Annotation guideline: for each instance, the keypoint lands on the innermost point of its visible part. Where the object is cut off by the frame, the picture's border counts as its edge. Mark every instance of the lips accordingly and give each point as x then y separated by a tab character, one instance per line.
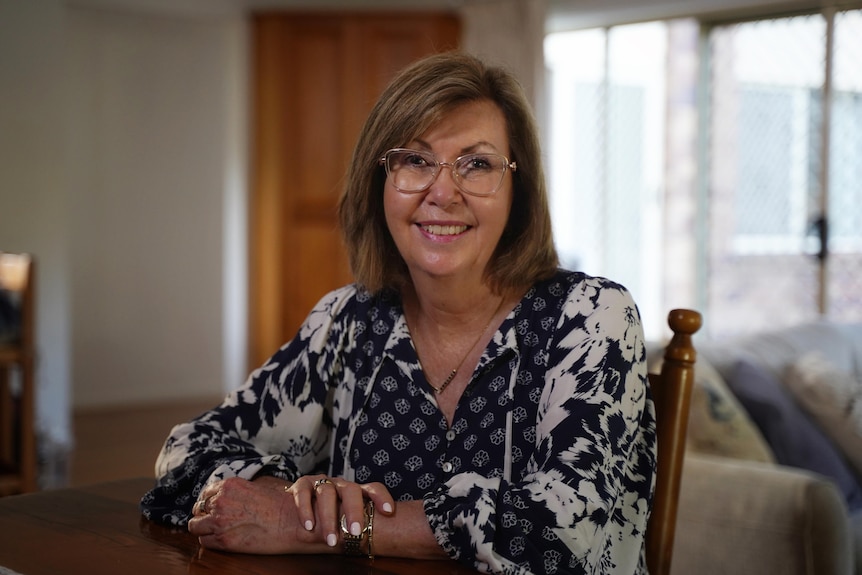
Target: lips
437	230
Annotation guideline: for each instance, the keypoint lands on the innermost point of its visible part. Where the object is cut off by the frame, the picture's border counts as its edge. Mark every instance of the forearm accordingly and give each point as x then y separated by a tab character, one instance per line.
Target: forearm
405	533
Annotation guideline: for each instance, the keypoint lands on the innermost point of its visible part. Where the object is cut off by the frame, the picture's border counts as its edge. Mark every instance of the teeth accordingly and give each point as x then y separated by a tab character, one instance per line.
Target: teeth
445	230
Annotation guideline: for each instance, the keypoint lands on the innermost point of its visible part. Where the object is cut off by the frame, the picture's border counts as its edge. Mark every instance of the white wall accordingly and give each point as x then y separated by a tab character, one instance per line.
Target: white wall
33	201
122	168
150	143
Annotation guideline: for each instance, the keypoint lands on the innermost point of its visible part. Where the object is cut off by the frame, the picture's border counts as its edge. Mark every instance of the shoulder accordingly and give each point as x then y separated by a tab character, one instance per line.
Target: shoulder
579	292
348	306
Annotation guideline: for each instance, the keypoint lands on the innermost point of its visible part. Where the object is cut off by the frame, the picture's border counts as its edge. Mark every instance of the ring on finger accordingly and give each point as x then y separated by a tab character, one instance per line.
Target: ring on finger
322	481
204	505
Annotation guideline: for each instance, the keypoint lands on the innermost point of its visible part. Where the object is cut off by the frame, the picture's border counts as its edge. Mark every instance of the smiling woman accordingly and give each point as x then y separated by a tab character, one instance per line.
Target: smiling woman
465	398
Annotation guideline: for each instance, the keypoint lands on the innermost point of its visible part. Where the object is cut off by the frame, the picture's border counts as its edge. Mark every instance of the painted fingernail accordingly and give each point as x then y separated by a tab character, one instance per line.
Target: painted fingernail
355	528
387	508
309	525
331	539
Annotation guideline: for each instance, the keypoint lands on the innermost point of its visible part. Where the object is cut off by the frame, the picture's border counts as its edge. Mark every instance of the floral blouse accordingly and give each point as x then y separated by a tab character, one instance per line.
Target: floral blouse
547	467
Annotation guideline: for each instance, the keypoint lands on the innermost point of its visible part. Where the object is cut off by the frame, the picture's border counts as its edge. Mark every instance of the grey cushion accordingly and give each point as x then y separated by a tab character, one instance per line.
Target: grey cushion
795	440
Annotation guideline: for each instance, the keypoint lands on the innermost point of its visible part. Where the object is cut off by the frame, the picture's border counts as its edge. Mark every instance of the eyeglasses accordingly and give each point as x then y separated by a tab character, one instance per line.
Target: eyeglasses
413	171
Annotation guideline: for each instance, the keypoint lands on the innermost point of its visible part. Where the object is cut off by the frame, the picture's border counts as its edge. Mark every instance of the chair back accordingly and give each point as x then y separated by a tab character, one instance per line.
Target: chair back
671	393
18	462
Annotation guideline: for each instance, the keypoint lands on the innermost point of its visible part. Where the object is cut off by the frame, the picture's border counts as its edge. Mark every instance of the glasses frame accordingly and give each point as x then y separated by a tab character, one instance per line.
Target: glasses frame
438	166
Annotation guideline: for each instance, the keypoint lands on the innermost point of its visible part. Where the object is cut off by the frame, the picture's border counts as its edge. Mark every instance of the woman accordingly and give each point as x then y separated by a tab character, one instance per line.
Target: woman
465	398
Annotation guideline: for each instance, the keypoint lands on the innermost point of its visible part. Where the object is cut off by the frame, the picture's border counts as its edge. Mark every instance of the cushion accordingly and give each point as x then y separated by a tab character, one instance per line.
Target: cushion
718	424
794	438
833	399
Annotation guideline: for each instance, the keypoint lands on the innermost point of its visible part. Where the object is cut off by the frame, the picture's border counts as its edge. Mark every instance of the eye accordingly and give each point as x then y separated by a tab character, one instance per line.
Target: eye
415	160
477	163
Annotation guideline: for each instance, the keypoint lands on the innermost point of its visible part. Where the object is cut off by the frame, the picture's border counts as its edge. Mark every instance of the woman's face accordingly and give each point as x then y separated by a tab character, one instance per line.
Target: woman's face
442	231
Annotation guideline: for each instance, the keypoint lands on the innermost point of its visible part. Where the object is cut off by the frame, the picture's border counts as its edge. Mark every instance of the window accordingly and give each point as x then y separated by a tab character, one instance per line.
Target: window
607	155
782	142
708	187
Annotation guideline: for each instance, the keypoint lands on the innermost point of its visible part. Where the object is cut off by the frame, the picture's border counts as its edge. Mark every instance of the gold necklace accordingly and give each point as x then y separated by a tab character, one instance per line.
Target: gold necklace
439	390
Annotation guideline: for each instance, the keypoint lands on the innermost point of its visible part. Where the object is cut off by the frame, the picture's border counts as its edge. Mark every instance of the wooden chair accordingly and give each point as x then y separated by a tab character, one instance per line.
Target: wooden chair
671	392
17	394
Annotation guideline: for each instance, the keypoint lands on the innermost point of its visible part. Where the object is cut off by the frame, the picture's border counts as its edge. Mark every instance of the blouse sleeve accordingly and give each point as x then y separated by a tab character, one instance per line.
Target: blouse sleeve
275	424
582	505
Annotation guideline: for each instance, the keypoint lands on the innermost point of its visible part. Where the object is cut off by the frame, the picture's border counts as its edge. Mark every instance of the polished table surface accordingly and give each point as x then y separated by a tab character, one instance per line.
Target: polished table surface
98	529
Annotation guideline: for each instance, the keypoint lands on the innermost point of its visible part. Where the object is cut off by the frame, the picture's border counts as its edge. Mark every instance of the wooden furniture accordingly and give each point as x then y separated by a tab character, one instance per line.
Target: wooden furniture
98	530
671	392
17	381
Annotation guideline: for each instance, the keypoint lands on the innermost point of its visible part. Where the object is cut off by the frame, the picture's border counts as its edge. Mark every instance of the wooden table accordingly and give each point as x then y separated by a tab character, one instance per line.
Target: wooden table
99	529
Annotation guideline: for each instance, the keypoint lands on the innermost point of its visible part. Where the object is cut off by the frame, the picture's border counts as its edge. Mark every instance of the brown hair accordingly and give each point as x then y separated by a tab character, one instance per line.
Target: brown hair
418	98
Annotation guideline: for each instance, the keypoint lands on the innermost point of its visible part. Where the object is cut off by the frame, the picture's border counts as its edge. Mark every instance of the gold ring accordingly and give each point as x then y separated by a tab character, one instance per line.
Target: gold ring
204	506
322	481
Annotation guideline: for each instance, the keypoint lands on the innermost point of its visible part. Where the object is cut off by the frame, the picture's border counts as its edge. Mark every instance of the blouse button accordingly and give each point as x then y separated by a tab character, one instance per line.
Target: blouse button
447	467
450	435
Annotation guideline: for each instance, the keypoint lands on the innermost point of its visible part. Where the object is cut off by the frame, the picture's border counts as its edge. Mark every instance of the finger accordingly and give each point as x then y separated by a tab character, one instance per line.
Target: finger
200	526
352	506
326	498
203	505
379	494
302	498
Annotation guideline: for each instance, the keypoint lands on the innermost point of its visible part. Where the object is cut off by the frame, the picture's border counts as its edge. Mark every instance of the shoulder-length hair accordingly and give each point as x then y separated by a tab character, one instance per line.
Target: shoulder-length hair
417	99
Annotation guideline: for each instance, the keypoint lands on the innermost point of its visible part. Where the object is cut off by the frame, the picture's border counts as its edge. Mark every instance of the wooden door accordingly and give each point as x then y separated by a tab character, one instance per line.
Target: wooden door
316	77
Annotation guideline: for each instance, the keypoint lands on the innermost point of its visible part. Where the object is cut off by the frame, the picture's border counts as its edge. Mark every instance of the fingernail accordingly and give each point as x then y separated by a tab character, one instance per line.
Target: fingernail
309	525
331	539
387	508
355	528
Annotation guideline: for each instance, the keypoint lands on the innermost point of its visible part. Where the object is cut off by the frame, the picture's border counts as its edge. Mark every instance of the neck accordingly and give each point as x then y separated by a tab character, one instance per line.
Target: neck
447	335
451	308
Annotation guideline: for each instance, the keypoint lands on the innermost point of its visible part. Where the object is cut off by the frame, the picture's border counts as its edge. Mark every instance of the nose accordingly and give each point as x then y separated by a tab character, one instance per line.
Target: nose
444	190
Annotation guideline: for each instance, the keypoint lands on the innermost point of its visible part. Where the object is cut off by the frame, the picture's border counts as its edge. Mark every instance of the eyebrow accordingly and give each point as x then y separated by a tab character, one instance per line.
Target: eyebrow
468	150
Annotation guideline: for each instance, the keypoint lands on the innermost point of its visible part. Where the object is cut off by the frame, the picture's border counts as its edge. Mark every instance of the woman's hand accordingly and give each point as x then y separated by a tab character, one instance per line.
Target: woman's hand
251	517
270	516
320	501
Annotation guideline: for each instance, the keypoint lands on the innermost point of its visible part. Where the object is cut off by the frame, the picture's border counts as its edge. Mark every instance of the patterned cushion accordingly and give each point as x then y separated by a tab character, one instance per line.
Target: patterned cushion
718	424
795	440
833	398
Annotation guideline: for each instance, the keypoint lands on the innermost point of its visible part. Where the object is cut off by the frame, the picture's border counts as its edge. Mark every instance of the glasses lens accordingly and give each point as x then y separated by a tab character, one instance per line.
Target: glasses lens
480	174
411	171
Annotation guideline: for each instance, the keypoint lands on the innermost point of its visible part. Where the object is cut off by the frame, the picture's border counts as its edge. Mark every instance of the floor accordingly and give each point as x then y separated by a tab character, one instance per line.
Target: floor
123	442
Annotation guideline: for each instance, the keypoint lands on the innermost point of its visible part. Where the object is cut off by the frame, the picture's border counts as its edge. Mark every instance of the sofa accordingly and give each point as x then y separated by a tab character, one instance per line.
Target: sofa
772	481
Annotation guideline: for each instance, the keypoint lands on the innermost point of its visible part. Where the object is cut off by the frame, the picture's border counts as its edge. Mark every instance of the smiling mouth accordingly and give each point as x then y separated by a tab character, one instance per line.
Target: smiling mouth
444	230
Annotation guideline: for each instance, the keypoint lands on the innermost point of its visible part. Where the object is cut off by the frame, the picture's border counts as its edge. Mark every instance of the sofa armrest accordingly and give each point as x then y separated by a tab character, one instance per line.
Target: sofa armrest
738	517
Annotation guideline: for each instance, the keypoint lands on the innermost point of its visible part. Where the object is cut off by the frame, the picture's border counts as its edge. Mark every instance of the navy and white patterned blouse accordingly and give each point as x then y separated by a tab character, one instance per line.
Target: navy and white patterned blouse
548	466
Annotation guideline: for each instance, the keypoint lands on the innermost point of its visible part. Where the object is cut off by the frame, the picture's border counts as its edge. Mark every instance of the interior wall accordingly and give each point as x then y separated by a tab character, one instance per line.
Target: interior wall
509	32
156	178
33	200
